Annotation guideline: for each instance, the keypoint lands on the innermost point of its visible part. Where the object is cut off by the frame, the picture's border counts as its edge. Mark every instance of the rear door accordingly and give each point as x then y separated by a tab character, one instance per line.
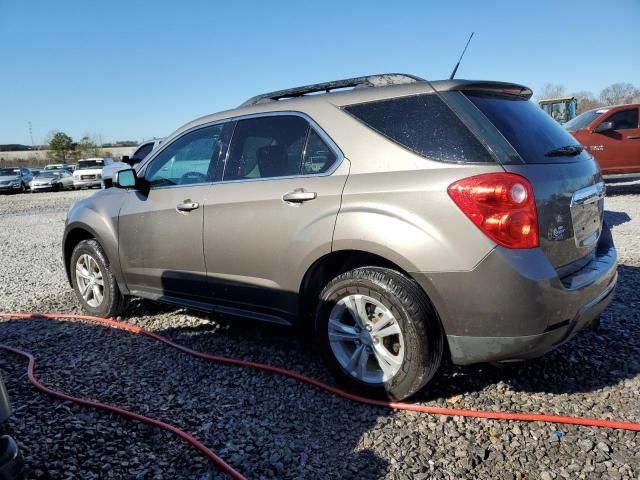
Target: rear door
618	150
160	231
272	215
567	182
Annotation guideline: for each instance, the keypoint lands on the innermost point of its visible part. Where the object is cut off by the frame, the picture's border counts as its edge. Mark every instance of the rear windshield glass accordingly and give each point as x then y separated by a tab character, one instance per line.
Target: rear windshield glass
582	120
424	125
531	131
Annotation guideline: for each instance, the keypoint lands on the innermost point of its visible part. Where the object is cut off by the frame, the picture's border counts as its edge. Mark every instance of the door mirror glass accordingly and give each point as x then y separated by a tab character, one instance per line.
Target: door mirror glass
124	178
604	127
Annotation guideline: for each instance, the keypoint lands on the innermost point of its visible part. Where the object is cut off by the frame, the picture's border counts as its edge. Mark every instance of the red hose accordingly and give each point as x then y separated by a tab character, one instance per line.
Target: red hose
513	416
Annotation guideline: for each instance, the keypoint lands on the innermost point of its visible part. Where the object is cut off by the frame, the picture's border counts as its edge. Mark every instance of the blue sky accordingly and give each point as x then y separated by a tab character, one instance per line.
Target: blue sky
132	69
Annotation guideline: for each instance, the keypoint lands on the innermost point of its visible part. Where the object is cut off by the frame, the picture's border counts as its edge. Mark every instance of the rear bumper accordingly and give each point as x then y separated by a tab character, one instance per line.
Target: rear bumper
513	306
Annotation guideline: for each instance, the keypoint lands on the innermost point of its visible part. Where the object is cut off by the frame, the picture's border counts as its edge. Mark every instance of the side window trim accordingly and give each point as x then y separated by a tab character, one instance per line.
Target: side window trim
142	168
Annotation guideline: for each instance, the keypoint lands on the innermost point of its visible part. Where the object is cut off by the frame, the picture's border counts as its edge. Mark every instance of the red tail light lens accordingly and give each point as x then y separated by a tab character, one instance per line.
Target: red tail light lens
501	205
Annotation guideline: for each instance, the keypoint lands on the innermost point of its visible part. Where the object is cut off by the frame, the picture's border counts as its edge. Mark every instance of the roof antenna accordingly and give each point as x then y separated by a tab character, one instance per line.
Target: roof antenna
453	74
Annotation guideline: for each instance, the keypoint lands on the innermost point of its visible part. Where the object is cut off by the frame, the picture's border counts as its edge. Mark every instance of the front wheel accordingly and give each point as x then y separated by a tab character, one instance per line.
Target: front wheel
94	282
378	332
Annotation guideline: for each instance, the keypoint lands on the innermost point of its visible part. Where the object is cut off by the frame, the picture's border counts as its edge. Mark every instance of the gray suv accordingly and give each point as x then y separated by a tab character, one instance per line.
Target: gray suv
402	220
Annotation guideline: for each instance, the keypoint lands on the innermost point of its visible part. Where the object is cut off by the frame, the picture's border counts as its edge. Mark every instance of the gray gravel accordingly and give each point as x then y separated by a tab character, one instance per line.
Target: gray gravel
270	427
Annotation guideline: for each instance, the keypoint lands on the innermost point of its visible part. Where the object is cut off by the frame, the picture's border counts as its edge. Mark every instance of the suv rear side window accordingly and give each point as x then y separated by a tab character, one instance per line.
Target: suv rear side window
530	130
424	125
624	119
318	157
267	147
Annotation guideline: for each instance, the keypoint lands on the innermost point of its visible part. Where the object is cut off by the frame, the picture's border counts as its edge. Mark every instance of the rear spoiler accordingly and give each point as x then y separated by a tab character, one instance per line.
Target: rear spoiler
499	88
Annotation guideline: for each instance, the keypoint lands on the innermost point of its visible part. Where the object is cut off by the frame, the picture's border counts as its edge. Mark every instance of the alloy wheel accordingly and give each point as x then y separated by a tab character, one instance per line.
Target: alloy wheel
366	338
89	279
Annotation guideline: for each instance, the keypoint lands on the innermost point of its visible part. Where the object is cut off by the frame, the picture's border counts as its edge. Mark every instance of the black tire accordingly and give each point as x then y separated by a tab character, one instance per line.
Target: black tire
419	324
113	301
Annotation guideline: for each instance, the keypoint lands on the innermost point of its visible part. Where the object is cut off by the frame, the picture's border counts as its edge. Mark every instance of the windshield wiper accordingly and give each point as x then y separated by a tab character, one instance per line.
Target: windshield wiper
566	151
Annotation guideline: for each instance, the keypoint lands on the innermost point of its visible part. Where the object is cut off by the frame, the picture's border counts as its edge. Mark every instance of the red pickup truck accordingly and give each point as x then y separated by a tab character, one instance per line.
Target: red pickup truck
612	135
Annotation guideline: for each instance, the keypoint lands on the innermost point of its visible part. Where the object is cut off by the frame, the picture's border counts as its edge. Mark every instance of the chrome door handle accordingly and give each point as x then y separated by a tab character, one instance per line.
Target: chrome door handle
633	137
299	195
187	206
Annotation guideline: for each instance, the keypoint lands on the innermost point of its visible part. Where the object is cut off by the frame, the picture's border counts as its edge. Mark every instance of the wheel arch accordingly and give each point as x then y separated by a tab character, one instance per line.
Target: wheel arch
77	232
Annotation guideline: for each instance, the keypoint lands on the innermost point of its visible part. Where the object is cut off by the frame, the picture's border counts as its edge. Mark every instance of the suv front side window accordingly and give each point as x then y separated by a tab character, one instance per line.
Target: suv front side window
624	119
267	147
191	159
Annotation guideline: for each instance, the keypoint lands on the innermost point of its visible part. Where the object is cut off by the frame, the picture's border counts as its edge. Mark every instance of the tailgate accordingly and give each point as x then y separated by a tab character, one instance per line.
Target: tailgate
567	182
570	202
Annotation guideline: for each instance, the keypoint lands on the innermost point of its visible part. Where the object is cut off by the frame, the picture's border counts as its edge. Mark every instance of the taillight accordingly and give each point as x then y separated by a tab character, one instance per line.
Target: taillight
501	205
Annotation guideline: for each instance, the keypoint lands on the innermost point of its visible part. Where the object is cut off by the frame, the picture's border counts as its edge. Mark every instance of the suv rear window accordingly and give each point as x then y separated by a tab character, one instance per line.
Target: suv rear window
530	130
424	125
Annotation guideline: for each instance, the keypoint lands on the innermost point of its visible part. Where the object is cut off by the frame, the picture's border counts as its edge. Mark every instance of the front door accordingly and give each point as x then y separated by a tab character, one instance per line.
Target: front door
618	150
161	250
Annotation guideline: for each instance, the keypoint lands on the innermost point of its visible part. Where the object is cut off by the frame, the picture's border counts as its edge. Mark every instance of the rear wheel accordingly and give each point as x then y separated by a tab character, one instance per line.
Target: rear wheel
94	282
378	332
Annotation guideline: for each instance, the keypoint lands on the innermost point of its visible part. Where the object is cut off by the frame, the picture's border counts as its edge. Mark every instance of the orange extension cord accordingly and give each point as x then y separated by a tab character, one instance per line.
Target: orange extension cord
220	463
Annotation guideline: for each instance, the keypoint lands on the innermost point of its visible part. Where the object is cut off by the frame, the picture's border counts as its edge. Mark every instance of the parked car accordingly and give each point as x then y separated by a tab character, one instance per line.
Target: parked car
59	166
612	135
14	179
34	171
392	219
55	180
140	154
12	466
88	172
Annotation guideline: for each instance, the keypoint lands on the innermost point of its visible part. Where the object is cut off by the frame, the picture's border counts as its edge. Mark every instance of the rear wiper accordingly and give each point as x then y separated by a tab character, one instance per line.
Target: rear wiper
566	151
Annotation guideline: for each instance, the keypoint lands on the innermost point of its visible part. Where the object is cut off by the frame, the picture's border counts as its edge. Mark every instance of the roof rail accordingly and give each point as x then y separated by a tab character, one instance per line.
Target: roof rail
382	80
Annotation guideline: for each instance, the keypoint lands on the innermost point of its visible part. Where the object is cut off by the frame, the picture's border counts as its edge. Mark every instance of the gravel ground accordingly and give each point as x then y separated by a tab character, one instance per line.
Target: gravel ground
270	427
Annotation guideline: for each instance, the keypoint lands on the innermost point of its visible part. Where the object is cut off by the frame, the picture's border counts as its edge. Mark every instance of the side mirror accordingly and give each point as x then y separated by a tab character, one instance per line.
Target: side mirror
125	178
604	127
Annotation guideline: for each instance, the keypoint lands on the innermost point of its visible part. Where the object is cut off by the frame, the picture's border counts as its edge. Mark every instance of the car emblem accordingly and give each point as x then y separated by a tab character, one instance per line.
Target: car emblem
558	233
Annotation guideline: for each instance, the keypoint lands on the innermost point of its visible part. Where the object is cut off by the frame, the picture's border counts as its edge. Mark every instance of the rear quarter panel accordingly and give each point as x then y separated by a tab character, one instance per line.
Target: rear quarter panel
408	218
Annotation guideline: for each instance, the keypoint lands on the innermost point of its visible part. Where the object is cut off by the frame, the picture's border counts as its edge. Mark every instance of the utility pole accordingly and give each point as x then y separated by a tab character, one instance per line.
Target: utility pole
31	134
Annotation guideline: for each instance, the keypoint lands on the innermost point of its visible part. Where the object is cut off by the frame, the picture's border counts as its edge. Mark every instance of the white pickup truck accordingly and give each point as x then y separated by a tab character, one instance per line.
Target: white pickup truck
88	172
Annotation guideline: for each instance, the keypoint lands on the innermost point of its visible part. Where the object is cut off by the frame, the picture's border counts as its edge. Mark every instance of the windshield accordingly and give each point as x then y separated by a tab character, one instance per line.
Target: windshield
49	175
9	171
87	164
527	127
582	120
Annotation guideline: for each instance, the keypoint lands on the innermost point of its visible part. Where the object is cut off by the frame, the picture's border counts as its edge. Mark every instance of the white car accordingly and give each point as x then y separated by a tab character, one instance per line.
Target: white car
55	180
88	172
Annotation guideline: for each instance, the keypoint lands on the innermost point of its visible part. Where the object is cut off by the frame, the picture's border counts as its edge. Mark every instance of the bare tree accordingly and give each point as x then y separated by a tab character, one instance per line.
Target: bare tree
586	101
551	90
620	93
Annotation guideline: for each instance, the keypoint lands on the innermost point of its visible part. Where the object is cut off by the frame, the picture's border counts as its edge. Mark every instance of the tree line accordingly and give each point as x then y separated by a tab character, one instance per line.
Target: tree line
616	94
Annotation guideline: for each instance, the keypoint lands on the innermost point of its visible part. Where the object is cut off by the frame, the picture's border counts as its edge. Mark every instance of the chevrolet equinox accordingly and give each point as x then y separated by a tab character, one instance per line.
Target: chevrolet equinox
402	220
